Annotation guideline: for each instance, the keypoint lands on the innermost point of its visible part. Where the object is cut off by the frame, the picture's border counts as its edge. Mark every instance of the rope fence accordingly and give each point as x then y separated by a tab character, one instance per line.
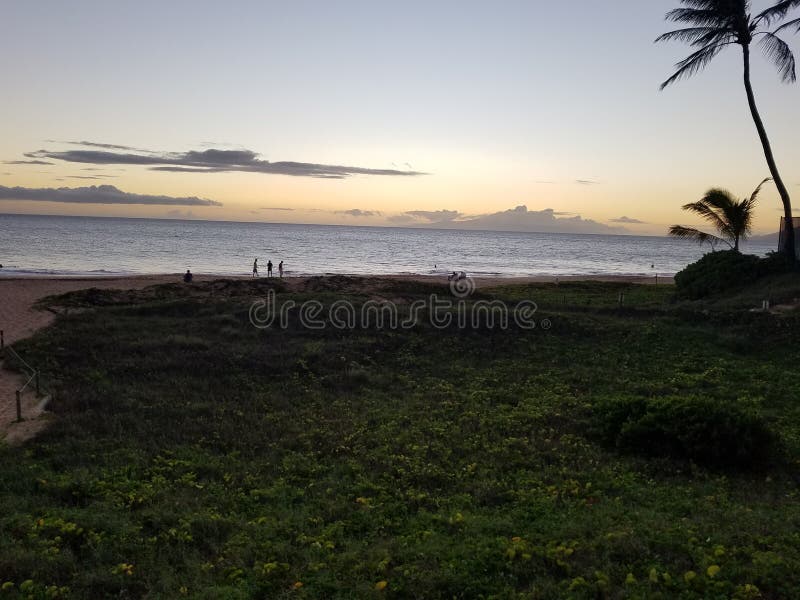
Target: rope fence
34	375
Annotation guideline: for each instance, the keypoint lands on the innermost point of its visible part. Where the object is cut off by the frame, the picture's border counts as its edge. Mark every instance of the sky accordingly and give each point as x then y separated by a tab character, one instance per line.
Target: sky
529	115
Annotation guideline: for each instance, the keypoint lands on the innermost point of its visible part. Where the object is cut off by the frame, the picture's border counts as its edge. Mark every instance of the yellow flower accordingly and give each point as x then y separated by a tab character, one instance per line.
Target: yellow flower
712	571
689	575
630	579
381	585
297	585
653	575
516	539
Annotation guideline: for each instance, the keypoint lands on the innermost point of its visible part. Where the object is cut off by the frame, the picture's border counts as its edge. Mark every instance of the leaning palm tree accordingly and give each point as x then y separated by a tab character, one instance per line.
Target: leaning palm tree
717	24
731	218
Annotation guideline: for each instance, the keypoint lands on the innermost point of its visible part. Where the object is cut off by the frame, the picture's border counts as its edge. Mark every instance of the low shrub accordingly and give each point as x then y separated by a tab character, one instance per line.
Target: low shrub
716	272
698	429
726	270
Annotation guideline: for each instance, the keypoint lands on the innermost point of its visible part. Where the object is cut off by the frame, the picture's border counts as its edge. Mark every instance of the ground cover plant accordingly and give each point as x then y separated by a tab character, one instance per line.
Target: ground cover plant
197	456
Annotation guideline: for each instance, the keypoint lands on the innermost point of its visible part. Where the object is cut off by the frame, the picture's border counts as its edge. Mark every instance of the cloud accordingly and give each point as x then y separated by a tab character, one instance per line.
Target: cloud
212	160
587	182
434	216
524	220
629	221
97	194
27	162
91	176
357	212
275	208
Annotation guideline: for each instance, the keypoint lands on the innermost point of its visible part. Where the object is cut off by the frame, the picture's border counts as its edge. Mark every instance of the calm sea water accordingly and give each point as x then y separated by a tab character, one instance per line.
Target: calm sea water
90	245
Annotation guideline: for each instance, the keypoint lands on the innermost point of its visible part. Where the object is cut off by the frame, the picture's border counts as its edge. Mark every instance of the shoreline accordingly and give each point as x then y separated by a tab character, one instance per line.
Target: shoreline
510	278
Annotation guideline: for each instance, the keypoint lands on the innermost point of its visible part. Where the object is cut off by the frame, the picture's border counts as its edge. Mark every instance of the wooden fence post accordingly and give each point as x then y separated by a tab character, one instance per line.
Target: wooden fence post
19	408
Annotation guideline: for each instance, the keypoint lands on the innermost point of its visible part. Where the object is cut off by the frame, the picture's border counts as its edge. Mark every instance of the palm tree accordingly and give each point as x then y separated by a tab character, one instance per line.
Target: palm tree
731	218
717	24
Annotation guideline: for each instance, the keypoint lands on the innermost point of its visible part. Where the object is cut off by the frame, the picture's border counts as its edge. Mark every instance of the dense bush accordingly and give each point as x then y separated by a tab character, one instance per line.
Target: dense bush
724	270
699	429
716	272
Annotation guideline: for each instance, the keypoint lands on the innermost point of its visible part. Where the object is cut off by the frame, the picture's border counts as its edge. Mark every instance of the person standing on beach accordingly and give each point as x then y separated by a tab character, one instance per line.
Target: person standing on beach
280	269
255	268
269	268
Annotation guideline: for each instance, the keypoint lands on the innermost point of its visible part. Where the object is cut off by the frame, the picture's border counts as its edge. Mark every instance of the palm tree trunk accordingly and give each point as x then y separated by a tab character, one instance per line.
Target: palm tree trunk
773	168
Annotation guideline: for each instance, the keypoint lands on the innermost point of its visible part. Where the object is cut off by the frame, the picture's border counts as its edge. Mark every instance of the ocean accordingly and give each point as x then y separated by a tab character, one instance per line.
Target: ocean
79	246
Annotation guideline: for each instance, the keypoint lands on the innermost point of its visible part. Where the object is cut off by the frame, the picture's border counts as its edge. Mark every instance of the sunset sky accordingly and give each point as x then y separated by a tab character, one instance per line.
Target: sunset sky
405	113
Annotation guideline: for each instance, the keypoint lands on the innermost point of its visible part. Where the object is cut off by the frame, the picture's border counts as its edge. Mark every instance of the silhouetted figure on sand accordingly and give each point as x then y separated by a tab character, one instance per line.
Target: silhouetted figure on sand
187	277
280	269
255	268
269	268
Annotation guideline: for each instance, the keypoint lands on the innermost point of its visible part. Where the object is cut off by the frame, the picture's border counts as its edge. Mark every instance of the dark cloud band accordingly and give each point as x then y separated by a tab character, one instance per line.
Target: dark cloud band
209	161
97	194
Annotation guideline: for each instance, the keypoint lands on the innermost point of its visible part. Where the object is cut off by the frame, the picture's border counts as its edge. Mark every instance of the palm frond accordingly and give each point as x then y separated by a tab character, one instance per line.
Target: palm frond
731	218
715	215
746	208
789	25
693	35
690	233
779	53
694	62
776	12
718	198
701	17
755	193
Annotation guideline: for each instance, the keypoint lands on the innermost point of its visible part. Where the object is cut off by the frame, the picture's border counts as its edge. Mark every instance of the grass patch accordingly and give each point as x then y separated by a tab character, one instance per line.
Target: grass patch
197	456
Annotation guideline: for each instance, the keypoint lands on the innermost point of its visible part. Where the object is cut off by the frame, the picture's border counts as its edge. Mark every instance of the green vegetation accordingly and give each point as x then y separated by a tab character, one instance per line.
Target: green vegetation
700	429
717	272
197	456
729	270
